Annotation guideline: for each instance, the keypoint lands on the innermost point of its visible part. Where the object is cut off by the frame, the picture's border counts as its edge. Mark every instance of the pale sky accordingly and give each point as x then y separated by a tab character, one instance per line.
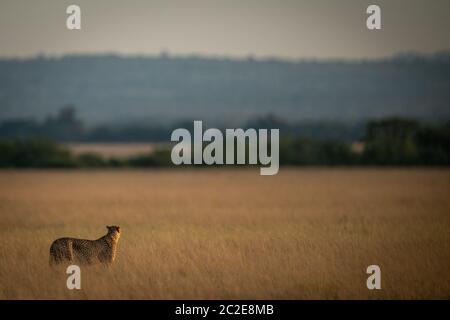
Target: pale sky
262	28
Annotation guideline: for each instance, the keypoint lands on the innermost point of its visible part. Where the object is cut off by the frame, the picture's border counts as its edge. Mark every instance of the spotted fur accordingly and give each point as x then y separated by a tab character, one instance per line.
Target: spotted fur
102	250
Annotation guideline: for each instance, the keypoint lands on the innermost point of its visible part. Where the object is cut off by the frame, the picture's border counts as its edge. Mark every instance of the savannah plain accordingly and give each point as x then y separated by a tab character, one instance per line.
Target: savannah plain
230	233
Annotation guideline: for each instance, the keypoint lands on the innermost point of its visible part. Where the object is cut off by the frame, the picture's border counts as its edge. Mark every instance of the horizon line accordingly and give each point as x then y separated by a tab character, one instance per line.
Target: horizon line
249	57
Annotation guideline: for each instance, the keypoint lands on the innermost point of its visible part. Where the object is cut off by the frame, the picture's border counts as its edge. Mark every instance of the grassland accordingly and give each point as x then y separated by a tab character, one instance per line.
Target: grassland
213	234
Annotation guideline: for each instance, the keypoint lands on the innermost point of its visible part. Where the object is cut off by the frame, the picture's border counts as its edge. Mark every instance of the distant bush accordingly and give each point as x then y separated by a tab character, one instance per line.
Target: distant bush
42	153
303	151
434	145
36	153
406	142
158	158
91	160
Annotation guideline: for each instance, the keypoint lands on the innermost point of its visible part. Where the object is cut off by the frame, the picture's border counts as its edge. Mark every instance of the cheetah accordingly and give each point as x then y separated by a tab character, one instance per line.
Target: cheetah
102	250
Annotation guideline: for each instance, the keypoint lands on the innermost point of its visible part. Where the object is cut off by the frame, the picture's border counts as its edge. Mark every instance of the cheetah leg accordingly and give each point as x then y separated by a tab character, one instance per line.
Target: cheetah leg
52	259
70	251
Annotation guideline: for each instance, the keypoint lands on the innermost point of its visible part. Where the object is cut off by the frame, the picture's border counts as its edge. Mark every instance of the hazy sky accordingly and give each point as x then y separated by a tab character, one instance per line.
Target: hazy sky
284	28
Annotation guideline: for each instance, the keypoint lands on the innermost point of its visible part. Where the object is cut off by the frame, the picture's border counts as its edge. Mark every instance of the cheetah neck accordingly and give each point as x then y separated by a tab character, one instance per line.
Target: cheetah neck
112	238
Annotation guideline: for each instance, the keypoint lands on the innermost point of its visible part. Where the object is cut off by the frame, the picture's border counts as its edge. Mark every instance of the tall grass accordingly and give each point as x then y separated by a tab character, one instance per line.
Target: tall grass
231	234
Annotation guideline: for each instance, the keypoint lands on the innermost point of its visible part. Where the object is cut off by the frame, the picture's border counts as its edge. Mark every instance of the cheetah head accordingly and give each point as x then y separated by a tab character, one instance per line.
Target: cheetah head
115	230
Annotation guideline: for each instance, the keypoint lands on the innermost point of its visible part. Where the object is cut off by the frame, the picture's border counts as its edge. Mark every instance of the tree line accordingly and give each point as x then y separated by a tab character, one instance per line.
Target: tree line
386	142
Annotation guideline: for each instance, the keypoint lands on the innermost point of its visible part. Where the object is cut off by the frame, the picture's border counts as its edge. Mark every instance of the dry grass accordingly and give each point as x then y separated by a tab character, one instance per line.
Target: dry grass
231	233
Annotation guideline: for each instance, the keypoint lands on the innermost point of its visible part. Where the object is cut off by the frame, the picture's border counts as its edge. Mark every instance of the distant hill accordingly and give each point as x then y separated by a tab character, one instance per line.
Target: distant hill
111	89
